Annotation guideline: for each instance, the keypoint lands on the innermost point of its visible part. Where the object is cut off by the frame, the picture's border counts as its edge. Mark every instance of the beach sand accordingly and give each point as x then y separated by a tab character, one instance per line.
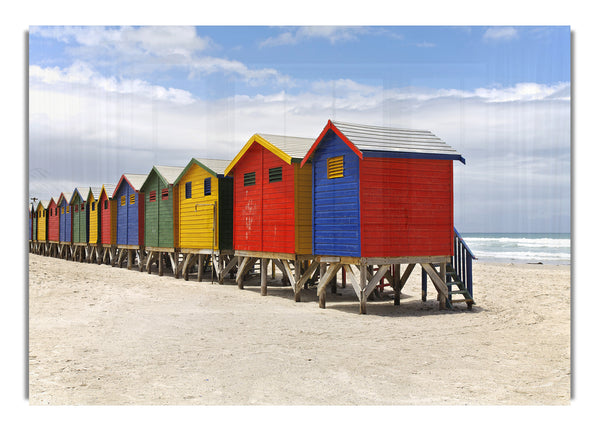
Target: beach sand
103	335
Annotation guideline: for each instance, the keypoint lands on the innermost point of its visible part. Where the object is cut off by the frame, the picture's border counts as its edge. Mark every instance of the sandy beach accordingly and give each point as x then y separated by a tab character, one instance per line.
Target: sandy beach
103	335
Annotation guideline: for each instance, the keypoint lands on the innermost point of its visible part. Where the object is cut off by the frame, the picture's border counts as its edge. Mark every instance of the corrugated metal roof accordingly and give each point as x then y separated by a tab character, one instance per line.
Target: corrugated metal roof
293	146
169	173
215	165
136	180
110	189
377	138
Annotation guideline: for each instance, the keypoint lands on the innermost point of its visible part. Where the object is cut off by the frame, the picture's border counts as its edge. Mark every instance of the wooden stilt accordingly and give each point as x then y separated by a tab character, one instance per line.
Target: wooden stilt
396	284
201	259
301	280
363	286
241	272
149	262
438	283
264	263
324	281
129	258
160	264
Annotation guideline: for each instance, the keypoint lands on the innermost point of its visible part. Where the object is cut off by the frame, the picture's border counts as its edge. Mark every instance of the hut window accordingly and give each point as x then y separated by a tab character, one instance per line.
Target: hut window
106	204
249	179
207	186
275	174
76	208
62	210
68	209
123	200
93	206
165	194
335	167
132	199
188	190
152	196
82	207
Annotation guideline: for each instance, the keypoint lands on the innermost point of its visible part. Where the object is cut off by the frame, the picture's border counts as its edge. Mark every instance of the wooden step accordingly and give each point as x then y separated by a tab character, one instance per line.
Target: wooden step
463	300
457	292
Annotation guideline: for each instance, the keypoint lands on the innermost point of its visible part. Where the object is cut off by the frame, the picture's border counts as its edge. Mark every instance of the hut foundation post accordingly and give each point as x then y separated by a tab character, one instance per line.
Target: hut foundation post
443	277
264	263
129	258
396	284
302	279
160	264
324	281
149	262
438	283
423	285
363	287
241	272
232	262
201	259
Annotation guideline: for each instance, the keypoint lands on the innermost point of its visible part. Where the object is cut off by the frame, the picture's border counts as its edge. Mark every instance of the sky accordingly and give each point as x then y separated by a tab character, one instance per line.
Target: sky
104	101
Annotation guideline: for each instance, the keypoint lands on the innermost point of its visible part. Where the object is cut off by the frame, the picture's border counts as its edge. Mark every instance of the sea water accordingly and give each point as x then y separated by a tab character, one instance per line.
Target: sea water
547	248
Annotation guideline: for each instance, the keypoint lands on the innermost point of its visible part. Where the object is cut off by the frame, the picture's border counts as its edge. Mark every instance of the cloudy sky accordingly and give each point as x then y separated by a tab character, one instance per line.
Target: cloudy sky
109	100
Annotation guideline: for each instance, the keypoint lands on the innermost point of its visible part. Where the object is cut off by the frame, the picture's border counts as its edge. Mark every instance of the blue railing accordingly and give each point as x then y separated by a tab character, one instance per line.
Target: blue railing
462	262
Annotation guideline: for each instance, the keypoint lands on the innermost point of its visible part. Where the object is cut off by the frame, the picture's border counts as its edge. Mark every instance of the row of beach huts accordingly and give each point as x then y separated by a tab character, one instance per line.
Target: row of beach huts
372	202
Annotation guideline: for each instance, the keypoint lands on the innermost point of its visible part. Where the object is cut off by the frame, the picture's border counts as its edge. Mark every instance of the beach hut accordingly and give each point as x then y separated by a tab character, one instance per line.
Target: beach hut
159	205
80	222
31	212
203	225
42	225
65	225
272	206
107	221
53	227
92	215
382	197
34	241
129	218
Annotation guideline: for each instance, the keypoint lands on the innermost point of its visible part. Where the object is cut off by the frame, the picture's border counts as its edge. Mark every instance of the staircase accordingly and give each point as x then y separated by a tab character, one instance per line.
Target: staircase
459	273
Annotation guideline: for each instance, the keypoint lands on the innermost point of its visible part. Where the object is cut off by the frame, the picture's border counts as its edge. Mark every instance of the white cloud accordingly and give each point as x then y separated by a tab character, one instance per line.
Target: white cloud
82	74
89	129
333	34
500	33
149	40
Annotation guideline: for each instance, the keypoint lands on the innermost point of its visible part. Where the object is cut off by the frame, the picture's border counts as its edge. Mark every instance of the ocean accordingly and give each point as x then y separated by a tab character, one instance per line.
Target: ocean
547	248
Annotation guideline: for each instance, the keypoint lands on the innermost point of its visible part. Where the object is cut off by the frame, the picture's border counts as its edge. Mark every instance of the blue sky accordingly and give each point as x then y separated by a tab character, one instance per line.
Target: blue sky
109	100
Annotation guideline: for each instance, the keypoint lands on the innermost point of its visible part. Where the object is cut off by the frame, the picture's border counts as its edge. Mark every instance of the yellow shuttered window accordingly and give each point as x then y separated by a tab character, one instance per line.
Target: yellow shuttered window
132	199
335	167
123	200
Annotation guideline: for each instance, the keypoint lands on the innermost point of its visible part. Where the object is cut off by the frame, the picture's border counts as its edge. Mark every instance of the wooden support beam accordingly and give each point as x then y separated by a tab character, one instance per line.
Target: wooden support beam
376	278
439	284
201	259
160	263
232	262
186	263
149	262
325	279
288	272
363	285
406	274
243	268
396	283
285	279
353	280
129	258
301	281
264	263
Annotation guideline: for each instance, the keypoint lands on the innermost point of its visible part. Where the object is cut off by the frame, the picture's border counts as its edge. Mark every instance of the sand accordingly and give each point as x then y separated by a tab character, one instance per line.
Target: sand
103	335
